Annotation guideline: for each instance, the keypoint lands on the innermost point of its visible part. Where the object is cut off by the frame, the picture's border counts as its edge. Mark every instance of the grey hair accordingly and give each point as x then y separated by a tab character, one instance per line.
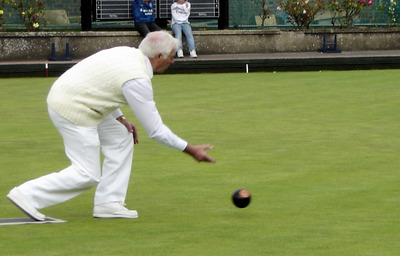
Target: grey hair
158	42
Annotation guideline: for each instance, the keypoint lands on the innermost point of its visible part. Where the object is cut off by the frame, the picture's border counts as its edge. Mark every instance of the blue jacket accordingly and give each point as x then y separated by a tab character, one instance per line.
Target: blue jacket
143	12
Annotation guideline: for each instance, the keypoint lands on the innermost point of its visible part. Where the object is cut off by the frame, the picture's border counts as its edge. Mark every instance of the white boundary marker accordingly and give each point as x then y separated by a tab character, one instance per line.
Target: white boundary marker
21	221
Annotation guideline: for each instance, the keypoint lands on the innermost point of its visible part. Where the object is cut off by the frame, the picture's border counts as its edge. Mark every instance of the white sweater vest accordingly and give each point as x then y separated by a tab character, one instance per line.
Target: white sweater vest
91	89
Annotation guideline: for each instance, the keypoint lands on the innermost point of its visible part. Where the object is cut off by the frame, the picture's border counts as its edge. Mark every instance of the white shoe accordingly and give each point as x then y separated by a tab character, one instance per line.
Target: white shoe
180	53
113	210
23	203
193	54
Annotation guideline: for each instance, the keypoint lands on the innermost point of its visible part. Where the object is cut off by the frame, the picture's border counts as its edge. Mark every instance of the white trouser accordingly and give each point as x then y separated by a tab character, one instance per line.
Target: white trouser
82	146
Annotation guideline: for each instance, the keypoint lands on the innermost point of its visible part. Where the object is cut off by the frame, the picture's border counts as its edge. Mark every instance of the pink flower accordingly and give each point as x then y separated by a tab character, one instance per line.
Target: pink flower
361	1
370	2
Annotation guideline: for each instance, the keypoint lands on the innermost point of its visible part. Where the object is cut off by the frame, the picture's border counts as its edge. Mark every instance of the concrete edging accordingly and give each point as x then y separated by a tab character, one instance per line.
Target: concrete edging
15	46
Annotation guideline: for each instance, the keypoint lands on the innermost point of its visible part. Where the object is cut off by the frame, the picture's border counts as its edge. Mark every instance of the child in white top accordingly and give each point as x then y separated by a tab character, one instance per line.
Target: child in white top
180	11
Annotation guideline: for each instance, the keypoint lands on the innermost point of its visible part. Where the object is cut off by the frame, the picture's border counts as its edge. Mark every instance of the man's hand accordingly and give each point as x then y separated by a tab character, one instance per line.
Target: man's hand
199	152
131	128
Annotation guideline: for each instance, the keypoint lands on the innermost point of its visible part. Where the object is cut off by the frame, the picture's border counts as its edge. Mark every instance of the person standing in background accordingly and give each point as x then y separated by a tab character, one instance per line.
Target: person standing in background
180	11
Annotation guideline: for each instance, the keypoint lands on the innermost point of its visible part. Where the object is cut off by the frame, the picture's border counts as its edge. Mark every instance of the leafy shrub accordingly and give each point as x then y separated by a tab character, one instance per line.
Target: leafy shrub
345	12
301	12
390	10
3	3
31	12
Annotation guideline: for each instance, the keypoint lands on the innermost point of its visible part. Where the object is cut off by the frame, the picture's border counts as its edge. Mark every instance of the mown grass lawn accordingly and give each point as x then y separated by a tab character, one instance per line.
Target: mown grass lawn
319	151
